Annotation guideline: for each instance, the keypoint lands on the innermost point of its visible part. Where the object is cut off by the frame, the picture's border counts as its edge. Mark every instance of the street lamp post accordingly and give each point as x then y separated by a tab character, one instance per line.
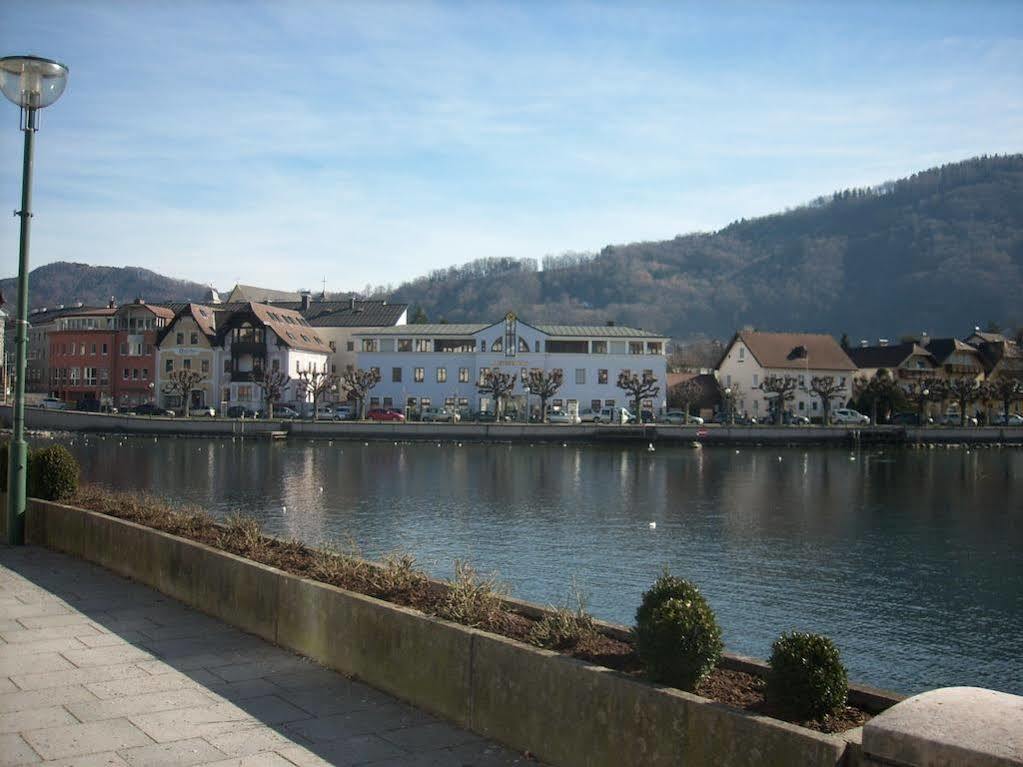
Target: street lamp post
32	84
731	406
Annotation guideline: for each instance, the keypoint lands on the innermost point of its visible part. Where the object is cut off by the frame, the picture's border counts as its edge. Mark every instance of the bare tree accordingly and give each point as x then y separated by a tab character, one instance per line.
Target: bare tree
358	383
315	383
181	383
965	391
779	390
1006	389
499	385
682	395
638	388
880	392
544	385
925	390
730	395
272	383
827	389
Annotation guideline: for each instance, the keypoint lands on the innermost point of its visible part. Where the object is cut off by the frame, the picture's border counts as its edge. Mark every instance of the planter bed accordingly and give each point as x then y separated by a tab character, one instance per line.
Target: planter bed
567	710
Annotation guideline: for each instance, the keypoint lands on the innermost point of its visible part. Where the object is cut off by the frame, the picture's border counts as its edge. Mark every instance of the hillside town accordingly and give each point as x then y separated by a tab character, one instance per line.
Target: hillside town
256	349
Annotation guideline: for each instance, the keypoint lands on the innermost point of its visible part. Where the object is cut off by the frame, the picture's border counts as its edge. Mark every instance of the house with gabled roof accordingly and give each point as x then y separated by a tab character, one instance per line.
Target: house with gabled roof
751	356
956	359
907	362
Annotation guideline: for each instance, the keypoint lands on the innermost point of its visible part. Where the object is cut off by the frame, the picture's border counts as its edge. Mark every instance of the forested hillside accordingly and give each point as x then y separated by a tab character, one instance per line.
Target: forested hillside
940	251
68	283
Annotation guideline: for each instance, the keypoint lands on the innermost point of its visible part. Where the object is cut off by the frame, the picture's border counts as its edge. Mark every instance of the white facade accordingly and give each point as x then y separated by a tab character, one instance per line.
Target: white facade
440	365
742	372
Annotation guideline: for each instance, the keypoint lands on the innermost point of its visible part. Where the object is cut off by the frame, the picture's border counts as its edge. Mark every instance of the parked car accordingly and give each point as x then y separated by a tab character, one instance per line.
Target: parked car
52	403
1014	419
562	417
486	416
344	413
794	419
588	416
679	417
952	418
390	414
437	415
94	406
285	411
203	412
325	413
148	408
240	411
846	415
618	415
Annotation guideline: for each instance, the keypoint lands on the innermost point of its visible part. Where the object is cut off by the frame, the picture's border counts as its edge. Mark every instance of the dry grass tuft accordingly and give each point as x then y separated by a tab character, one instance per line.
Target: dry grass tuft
340	565
472	600
399	576
564	628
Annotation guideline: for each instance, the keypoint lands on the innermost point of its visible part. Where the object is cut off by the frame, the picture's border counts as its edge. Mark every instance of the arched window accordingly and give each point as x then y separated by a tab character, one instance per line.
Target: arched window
510	334
497	346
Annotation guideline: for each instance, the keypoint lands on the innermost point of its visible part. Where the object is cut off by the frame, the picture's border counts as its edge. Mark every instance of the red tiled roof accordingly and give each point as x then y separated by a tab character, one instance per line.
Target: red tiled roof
796	351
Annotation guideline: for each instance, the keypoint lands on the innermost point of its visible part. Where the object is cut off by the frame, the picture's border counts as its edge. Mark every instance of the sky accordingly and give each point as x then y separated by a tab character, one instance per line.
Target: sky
288	143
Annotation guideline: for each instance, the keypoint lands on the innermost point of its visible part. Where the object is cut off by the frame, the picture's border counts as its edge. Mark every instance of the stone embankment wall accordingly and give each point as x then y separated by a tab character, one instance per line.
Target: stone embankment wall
63	420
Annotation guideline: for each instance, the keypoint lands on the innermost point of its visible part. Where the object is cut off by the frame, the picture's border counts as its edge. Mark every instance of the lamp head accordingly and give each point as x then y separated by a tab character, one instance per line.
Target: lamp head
32	82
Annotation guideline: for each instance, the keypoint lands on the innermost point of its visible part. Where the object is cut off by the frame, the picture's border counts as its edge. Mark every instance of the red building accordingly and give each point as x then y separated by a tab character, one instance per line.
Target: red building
107	355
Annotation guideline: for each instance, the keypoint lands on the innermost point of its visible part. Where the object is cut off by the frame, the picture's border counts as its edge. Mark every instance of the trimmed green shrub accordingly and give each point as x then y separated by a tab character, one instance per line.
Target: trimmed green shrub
678	638
807	679
52	473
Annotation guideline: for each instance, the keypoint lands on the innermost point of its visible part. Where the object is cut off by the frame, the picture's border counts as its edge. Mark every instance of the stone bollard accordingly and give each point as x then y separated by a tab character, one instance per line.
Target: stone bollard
948	727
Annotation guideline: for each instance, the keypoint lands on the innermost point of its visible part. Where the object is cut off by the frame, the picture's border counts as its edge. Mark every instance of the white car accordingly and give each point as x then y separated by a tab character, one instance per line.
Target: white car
1014	419
618	415
560	417
588	416
436	415
849	416
678	417
205	412
285	411
52	403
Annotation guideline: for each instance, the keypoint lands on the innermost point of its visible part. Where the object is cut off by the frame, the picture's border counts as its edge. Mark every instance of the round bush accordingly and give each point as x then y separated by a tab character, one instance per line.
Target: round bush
677	636
807	679
52	473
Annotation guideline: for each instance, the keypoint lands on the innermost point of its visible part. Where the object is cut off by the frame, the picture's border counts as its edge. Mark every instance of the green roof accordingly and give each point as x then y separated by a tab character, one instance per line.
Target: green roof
601	331
432	329
558	331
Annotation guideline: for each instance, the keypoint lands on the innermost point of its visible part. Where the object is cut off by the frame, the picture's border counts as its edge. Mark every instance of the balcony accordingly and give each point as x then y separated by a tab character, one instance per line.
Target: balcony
241	348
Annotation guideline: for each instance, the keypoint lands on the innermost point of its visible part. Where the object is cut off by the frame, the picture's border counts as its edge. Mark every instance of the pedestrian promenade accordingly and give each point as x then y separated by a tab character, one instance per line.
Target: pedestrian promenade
98	670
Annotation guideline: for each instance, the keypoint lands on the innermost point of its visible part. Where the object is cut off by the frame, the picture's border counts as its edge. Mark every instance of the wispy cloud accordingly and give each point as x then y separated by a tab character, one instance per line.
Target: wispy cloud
284	142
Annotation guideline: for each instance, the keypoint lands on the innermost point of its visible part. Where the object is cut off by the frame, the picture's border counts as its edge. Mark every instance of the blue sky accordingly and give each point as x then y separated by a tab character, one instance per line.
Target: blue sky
288	142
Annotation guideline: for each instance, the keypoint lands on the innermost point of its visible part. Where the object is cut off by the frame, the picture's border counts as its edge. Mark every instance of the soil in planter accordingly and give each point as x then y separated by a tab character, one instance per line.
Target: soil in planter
242	537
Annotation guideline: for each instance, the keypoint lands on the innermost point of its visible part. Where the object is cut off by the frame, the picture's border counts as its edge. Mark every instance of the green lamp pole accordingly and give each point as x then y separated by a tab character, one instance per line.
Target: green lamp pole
33	84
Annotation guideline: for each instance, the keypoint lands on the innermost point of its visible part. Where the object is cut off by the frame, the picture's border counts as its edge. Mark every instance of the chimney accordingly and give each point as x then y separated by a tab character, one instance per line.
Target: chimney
140	301
110	303
924	339
882	342
306	295
863	343
351	303
976	328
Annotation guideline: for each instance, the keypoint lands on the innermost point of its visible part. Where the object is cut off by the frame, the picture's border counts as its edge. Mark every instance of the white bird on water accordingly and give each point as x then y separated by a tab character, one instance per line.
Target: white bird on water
653	525
650	448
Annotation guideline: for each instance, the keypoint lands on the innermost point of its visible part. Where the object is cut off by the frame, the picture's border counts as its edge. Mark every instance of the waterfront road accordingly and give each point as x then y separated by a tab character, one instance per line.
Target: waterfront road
99	670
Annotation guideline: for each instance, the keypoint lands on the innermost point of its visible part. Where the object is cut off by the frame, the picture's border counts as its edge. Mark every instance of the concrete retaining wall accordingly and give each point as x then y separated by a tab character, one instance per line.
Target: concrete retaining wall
65	420
561	709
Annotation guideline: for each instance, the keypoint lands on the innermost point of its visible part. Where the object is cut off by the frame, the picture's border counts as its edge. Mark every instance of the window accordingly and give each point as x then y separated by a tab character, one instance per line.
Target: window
350	346
404	344
510	332
388	402
92	352
145	374
411	403
648	374
245	392
497	346
90	376
227	366
206	366
423	345
134	374
449	402
104	376
425	402
609	403
635	347
194	339
602	376
580	376
442	375
557	403
298	366
396	375
523	345
802	381
598	347
168	366
536	346
463	375
482	376
125	374
124	350
483	346
333	346
180	339
104	350
82	352
742	354
419	375
802	405
756	381
594	405
186	364
567	347
374	401
369	344
654	347
728	380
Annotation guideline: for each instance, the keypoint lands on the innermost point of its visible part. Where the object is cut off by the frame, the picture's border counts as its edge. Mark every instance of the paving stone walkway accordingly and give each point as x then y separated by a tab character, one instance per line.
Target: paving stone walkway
99	670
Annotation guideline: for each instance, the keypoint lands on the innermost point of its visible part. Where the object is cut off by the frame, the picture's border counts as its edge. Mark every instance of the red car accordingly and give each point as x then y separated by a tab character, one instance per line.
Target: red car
378	414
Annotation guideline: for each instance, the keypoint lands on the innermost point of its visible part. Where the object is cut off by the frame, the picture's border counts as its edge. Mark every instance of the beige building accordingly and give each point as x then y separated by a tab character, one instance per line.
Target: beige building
752	356
188	344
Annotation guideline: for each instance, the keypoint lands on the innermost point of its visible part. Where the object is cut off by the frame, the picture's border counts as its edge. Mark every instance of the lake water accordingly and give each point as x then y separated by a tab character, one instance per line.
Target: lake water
911	560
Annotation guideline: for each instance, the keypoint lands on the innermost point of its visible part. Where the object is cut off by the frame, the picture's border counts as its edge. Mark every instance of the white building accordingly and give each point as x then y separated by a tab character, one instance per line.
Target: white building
752	356
229	346
440	365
